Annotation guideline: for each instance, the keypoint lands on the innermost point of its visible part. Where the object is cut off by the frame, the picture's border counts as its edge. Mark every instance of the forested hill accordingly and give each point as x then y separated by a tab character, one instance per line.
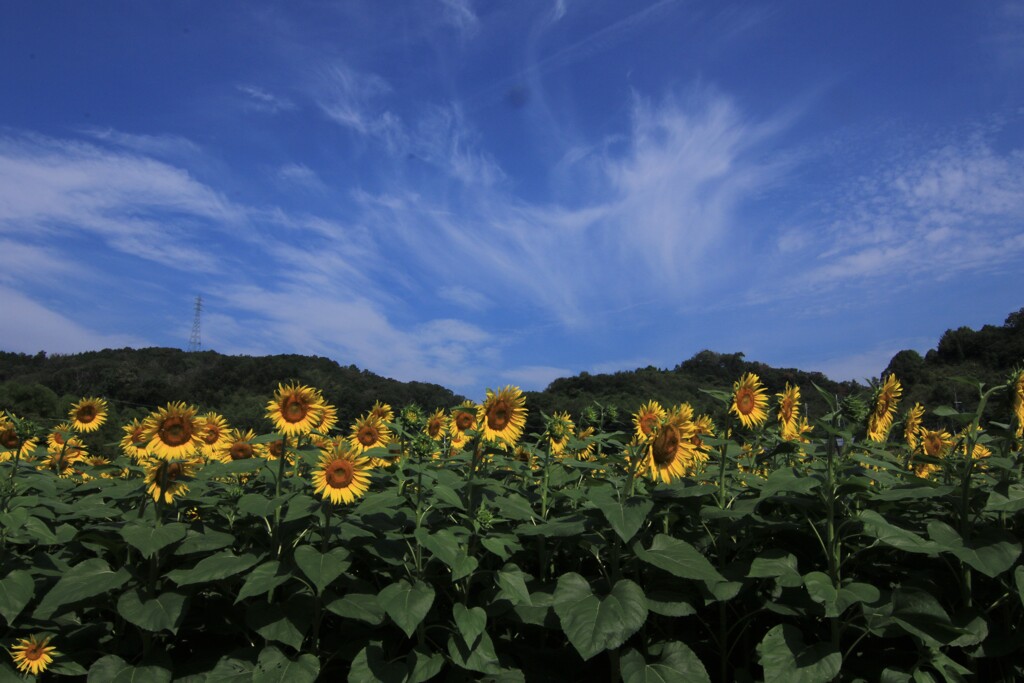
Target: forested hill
138	380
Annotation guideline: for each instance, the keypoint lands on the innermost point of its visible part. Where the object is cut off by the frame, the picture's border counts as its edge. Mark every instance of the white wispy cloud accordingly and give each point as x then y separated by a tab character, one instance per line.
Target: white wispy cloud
301	175
351	99
459	13
260	99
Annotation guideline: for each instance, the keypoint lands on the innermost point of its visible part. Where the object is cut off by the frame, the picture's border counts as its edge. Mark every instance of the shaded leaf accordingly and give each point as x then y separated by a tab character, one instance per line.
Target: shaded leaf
16	590
676	663
321	568
213	568
678	558
162	613
274	667
361	606
595	624
113	669
406	604
148	539
85	580
787	659
261	580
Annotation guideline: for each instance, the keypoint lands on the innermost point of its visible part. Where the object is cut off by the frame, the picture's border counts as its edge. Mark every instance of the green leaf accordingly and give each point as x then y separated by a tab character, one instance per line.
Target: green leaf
162	613
85	580
676	663
283	622
480	658
205	541
362	606
777	564
678	558
820	588
148	539
406	604
113	669
669	603
877	526
1018	577
920	614
422	666
991	551
321	568
38	530
274	667
445	547
595	624
213	568
786	659
471	622
262	580
230	670
447	494
788	480
625	518
16	590
512	582
371	666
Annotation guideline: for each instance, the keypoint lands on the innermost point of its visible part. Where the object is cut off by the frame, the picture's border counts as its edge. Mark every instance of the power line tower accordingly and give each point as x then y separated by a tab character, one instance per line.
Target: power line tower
194	342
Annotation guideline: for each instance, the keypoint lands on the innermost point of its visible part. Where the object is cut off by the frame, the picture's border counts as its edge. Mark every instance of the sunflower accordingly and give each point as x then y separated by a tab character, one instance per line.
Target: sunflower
343	475
502	415
163	478
749	400
172	431
88	414
887	396
789	412
671	453
704	426
11	443
59	434
328	419
369	432
212	430
91	461
239	446
463	417
383	412
935	443
62	460
33	655
437	425
647	419
587	452
560	430
456	442
1017	387
912	426
978	450
133	443
412	415
295	409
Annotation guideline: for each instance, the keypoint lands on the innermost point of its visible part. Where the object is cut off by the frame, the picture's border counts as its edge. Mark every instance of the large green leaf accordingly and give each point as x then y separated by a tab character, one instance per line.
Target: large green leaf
213	568
321	568
445	547
991	552
778	564
113	669
676	663
362	606
480	657
512	582
471	622
286	621
679	558
231	670
1018	577
204	542
370	665
595	624
162	613
261	580
85	580
274	667
624	517
877	526
16	590
406	604
148	538
920	614
787	659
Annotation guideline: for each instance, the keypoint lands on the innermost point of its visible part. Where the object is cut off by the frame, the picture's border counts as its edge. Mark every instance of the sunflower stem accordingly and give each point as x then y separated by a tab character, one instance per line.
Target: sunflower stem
277	493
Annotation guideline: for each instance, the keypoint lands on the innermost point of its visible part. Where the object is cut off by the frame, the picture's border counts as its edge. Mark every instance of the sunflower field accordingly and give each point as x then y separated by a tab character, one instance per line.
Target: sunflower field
873	543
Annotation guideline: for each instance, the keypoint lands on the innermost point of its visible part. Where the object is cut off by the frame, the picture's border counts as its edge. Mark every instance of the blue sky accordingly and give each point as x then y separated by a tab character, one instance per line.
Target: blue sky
481	193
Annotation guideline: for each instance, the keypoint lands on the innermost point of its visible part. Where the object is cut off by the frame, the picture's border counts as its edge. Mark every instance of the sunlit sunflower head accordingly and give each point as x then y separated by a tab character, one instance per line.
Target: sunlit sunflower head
704	426
59	434
368	432
463	417
436	425
133	443
84	467
166	477
936	443
172	431
587	451
647	419
887	397
383	412
912	426
33	655
789	411
239	446
1017	399
61	461
978	450
456	442
213	431
295	409
560	430
749	400
328	419
88	414
671	453
502	415
342	475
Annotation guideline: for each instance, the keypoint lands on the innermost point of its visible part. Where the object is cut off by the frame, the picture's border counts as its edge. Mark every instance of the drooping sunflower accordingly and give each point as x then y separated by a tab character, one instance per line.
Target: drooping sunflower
912	426
295	409
83	467
369	432
11	442
456	442
343	475
502	415
61	461
587	452
383	412
789	412
437	425
1017	390
59	434
213	431
164	478
33	655
88	414
560	430
239	446
978	450
887	396
671	453
936	443
749	400
172	431
133	443
647	418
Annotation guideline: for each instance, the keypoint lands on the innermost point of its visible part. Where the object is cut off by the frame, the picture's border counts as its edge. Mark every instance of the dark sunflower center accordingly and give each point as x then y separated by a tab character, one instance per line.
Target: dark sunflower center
294	410
745	401
696	441
499	416
86	413
367	435
174	470
33	652
665	447
240	451
339	474
211	436
434	428
175	431
464	421
58	438
9	438
648	423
